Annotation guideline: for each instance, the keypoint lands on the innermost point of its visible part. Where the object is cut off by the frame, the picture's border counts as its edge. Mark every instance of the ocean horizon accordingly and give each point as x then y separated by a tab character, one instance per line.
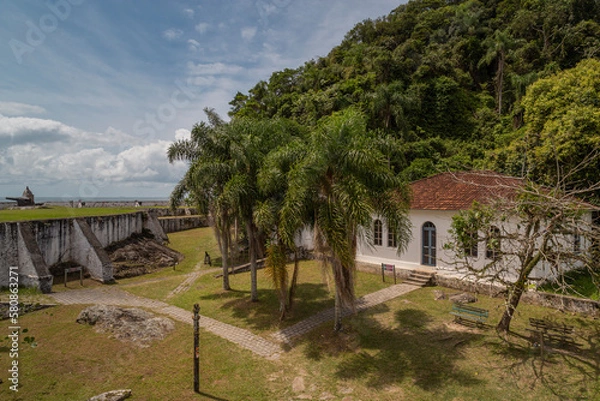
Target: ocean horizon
51	199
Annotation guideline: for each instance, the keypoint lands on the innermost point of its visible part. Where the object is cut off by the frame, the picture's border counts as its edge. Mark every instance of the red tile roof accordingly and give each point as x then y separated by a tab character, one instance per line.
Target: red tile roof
458	191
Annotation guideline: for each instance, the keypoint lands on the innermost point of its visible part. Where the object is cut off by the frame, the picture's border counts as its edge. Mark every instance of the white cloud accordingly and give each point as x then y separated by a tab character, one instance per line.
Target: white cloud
182	134
189	12
49	152
194	45
172	34
213	69
202	27
19	109
248	33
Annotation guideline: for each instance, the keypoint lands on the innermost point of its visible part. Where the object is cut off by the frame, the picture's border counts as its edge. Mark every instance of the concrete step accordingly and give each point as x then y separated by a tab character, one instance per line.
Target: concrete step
419	278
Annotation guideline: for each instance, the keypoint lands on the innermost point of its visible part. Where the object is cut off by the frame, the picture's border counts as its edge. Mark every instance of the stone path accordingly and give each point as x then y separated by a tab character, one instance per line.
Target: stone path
189	281
110	295
115	296
362	303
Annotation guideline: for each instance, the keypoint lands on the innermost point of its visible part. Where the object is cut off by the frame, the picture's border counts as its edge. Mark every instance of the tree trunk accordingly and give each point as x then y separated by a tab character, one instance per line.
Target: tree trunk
337	323
225	254
512	302
500	81
293	282
252	249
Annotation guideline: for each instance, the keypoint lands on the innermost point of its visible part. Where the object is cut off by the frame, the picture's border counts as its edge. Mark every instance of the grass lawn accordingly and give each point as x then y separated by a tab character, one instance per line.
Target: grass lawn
406	349
578	283
58	212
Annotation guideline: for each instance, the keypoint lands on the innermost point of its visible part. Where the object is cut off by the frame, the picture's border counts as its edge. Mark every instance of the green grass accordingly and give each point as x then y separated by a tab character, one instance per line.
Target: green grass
406	349
59	212
74	362
578	283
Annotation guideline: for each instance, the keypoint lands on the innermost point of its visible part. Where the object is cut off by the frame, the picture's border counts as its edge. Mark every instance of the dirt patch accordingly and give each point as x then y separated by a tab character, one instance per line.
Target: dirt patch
127	324
140	254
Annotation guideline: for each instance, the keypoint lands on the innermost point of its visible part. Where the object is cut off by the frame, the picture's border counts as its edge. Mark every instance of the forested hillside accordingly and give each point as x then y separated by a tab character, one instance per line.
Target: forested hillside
447	79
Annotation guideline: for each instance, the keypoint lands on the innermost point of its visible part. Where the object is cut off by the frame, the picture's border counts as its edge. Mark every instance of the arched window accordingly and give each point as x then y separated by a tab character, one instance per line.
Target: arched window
492	245
429	244
378	233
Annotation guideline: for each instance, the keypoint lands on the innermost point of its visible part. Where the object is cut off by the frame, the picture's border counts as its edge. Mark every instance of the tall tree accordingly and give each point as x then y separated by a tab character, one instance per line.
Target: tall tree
341	182
532	227
251	141
498	47
207	153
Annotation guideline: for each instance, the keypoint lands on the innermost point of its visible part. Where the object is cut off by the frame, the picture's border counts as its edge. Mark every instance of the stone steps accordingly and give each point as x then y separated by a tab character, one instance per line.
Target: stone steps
419	278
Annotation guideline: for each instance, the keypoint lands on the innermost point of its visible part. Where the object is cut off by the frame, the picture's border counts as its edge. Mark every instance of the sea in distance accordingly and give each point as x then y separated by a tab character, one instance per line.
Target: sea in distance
49	199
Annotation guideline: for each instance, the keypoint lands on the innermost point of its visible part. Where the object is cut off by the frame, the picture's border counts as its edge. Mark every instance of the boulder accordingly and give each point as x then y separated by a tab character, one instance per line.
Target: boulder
127	324
463	298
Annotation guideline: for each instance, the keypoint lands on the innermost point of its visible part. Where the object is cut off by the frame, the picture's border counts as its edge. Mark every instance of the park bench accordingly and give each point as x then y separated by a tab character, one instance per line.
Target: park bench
546	332
469	314
77	269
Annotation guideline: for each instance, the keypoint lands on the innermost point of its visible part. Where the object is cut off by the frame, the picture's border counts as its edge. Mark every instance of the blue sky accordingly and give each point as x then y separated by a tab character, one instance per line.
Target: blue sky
92	92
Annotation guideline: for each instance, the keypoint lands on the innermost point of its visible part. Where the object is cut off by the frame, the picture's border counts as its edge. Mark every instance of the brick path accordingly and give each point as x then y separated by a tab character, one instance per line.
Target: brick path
189	281
108	295
117	297
362	303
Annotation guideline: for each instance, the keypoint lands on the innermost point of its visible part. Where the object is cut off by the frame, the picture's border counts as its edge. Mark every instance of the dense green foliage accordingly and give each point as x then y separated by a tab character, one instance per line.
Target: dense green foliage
446	77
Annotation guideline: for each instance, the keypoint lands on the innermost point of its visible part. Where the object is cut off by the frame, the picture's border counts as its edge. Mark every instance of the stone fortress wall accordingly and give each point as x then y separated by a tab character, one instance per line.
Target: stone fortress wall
33	246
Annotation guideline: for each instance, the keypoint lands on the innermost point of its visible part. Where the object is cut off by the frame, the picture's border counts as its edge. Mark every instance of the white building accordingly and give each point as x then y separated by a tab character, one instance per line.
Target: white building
434	201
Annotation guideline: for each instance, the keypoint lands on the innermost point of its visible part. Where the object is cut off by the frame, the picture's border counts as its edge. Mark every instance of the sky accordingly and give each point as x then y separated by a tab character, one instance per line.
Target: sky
92	92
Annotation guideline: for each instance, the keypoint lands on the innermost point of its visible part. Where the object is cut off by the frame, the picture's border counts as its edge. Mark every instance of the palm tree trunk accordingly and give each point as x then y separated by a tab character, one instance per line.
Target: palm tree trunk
337	321
225	251
500	81
293	282
252	249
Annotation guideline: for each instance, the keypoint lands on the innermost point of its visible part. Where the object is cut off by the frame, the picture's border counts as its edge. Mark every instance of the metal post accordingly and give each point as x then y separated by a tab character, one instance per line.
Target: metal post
196	348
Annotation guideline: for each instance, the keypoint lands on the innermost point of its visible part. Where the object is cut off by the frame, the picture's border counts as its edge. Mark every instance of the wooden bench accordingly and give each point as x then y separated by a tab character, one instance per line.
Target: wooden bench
467	313
74	270
546	332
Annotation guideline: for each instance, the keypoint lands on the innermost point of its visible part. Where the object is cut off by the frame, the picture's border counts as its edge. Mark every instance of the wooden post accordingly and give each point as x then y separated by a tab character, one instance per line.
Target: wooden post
196	348
383	272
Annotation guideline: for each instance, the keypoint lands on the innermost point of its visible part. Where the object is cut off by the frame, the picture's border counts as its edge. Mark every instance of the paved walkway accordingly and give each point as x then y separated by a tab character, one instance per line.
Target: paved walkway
111	295
118	297
191	278
362	303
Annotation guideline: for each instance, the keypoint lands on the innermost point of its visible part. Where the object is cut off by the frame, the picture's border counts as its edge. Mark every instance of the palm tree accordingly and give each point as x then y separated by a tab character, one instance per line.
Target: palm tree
273	184
497	49
341	182
207	153
251	141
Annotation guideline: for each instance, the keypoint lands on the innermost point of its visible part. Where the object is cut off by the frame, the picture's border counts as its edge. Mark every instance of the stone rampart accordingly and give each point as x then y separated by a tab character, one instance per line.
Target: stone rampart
34	246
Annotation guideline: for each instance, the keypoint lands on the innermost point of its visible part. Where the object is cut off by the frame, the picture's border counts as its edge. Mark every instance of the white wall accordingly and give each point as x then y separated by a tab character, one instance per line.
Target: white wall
411	258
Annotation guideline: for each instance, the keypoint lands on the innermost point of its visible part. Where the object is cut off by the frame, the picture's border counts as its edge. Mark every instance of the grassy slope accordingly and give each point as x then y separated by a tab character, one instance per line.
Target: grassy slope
406	349
57	212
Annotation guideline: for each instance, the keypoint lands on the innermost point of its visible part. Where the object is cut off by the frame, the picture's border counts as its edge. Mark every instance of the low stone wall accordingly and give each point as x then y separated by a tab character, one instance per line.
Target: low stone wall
555	301
181	223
